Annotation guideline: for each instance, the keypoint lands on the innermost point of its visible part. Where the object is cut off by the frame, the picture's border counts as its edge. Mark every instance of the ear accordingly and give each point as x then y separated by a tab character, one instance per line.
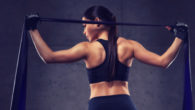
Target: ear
97	19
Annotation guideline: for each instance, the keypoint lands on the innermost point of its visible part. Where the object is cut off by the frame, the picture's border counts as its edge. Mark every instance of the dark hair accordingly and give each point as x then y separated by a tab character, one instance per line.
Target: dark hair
105	15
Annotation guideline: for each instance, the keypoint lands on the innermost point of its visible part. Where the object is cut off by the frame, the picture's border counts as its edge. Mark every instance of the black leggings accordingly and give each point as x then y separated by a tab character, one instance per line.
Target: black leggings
112	102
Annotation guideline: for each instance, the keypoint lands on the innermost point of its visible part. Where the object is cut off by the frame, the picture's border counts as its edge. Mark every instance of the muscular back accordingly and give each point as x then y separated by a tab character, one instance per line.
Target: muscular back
97	53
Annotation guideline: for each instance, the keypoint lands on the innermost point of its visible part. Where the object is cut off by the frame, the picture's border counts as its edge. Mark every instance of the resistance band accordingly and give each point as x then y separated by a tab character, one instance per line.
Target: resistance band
96	22
18	99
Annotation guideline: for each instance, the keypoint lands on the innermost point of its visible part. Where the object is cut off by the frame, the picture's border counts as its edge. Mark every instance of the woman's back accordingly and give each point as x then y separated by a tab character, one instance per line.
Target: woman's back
97	56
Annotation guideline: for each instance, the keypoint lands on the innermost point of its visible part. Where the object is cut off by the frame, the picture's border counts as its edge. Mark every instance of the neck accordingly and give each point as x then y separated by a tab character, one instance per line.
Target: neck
103	35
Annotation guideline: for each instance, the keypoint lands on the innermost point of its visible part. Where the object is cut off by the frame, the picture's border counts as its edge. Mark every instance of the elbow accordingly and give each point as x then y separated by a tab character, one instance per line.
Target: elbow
164	63
165	66
48	60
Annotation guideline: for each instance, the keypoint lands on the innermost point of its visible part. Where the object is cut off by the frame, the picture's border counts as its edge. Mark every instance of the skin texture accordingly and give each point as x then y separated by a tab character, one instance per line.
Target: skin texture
93	54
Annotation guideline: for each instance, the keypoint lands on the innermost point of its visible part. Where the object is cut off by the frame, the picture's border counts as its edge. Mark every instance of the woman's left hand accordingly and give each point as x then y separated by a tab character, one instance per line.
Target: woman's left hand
31	21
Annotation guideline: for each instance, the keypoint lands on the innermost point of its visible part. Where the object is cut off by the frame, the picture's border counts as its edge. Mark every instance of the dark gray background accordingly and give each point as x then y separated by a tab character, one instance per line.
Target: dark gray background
65	86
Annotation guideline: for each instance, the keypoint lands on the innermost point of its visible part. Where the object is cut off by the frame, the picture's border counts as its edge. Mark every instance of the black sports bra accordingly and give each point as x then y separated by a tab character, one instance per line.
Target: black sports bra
100	73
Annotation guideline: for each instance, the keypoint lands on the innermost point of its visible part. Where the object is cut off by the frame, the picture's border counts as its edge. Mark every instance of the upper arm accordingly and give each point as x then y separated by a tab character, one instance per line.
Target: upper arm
145	55
77	52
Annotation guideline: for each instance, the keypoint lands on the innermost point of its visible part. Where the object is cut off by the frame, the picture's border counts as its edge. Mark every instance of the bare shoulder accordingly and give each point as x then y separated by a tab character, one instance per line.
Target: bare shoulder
133	43
90	46
124	41
83	44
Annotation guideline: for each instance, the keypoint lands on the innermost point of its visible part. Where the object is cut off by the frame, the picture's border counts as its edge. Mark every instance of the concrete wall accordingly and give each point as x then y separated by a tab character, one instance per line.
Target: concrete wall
65	86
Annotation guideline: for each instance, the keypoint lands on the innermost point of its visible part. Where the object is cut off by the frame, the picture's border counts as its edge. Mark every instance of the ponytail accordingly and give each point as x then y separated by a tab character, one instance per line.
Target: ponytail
112	50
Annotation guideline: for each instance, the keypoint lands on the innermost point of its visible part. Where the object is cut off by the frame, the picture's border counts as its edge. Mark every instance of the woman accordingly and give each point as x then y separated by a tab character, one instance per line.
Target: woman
107	57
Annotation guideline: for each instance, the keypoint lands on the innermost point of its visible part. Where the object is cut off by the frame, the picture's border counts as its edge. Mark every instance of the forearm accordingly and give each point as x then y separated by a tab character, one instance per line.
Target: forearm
42	48
168	57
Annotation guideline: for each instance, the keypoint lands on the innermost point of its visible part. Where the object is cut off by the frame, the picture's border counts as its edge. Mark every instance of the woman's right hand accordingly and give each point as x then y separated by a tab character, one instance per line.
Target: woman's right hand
179	30
31	21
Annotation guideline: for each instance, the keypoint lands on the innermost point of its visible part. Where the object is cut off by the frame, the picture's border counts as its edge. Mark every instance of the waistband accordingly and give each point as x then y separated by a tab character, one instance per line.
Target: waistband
109	97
